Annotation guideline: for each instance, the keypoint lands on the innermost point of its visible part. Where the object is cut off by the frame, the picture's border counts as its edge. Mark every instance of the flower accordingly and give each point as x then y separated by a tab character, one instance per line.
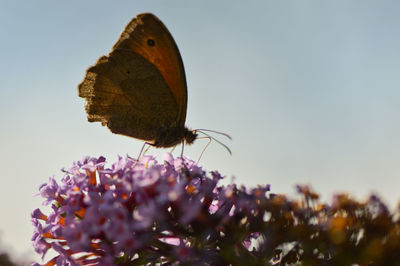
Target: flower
99	213
146	212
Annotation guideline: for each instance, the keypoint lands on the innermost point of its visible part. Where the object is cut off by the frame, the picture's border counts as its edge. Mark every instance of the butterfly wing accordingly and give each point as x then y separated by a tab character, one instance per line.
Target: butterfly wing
128	94
140	87
147	35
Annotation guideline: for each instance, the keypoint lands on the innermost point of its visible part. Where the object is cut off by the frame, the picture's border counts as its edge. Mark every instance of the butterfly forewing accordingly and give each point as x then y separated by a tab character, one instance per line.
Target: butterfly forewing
128	94
147	36
139	89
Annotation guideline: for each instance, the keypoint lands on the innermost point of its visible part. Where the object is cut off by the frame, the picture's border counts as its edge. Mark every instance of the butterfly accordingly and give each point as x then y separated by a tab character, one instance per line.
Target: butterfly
139	89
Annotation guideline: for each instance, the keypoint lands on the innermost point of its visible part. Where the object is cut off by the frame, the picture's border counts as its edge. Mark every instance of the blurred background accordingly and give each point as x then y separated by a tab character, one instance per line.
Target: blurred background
309	91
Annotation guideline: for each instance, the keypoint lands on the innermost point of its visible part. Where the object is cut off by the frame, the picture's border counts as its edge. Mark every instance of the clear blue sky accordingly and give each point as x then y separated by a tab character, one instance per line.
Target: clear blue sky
309	91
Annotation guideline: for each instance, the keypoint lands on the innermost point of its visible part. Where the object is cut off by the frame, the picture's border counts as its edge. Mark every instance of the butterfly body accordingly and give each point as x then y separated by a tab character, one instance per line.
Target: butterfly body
139	89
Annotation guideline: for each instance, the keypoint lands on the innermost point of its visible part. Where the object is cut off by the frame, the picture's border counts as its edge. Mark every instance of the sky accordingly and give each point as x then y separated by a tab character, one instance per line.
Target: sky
308	90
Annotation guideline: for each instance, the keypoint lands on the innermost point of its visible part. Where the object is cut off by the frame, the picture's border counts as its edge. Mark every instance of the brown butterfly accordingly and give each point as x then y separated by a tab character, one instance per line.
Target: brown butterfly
139	89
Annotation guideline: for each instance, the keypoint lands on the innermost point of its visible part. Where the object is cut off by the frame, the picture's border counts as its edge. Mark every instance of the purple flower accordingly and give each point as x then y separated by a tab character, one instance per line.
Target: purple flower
134	208
172	213
37	214
49	190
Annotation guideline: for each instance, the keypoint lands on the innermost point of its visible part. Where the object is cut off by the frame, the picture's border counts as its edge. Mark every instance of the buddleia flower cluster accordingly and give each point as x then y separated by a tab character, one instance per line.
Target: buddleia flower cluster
145	212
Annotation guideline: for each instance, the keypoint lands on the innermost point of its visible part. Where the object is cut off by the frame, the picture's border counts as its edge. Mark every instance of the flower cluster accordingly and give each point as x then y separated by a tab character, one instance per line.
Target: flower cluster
142	212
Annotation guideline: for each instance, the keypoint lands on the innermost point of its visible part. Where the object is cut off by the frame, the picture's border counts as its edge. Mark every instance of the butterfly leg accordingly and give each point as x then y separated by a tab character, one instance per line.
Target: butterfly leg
204	149
141	150
183	146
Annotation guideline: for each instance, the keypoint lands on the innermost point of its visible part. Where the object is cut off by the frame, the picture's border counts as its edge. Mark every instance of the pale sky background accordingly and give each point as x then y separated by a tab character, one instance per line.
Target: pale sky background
309	91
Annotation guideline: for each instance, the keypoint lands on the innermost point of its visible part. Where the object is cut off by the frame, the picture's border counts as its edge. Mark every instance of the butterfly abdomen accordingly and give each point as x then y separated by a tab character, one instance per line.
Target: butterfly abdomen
173	136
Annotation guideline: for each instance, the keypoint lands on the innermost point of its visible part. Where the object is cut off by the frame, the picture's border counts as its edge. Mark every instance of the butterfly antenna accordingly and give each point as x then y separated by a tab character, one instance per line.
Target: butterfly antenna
212	138
214	131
